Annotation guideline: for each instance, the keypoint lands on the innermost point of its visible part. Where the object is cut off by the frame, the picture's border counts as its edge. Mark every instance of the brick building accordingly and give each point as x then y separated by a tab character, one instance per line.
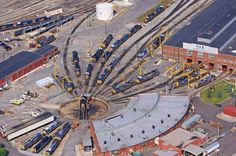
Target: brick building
209	38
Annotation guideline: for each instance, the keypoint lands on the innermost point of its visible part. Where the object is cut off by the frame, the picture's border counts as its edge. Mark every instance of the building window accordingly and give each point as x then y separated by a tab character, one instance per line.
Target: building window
189	53
200	54
211	56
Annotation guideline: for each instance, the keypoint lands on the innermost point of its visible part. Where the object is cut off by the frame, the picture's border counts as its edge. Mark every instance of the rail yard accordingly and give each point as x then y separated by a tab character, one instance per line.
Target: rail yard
118	78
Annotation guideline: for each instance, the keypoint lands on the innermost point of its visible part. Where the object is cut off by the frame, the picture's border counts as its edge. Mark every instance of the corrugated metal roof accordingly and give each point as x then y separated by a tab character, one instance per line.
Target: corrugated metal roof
45	49
196	150
30	122
16	62
207	24
22	59
145	117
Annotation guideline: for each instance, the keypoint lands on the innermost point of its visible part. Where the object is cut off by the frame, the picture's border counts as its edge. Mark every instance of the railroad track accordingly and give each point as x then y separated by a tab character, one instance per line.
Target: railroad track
152	30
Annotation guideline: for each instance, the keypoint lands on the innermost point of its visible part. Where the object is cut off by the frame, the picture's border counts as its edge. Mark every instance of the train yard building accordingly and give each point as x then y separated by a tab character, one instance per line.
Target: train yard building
24	62
146	117
209	38
29	125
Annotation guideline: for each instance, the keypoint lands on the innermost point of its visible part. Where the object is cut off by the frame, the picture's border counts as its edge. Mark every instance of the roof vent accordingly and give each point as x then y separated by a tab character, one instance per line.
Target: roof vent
162	121
143	131
153	127
118	139
105	142
168	115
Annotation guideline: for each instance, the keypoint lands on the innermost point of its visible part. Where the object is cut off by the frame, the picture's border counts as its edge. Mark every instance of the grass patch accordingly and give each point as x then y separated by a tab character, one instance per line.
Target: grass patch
165	3
217	93
3	152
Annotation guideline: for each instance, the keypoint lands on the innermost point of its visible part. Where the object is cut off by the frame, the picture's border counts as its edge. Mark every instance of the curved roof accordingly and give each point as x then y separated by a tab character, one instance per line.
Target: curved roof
146	117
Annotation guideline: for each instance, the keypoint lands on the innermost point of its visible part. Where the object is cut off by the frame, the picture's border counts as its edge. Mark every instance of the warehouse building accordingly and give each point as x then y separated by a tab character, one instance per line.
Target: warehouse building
24	62
145	117
210	38
181	140
27	126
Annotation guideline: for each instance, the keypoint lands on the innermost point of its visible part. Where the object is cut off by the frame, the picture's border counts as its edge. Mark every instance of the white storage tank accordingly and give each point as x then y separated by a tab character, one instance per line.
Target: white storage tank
104	11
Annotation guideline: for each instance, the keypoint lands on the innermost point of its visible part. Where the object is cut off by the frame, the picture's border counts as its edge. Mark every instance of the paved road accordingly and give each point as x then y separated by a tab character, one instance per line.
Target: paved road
12	151
209	112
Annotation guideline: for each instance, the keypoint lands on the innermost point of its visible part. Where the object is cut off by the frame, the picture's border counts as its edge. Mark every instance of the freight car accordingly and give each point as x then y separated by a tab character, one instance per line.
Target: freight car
97	55
75	57
107	41
52	148
153	14
24	23
147	76
62	132
47	25
29	143
88	71
38	147
51	127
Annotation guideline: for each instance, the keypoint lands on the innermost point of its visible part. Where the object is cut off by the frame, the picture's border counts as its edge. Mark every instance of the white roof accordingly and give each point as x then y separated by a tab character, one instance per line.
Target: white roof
140	121
196	150
165	153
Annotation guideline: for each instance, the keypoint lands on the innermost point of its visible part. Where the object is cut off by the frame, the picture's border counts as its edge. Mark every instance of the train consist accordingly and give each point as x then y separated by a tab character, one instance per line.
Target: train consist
41	140
140	79
153	14
44	26
24	23
42	41
97	55
60	134
101	78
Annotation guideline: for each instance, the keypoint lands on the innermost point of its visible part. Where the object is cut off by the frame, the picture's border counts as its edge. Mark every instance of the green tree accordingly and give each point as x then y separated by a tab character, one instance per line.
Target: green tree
219	95
209	93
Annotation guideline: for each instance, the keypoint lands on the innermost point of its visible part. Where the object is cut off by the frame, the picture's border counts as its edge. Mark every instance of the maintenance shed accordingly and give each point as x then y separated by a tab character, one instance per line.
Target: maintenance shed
209	38
24	62
29	125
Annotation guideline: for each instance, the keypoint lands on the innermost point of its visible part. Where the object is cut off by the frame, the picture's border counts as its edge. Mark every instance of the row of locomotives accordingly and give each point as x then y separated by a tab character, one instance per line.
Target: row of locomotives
120	41
24	23
88	72
190	74
106	72
64	81
154	13
107	41
84	107
60	134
